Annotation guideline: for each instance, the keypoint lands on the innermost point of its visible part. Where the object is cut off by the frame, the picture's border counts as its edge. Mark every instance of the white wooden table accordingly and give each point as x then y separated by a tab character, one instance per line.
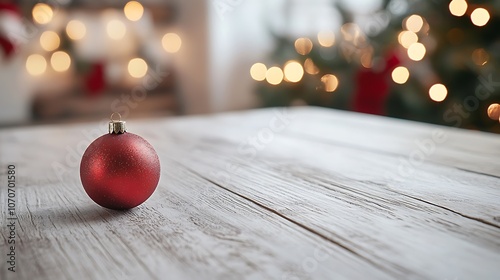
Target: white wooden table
303	193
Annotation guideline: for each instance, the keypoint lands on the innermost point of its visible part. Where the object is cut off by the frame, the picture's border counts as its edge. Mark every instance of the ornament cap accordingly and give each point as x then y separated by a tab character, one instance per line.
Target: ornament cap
116	126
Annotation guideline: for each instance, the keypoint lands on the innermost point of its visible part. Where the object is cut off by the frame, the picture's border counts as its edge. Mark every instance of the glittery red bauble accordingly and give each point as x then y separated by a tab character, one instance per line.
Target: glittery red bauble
120	171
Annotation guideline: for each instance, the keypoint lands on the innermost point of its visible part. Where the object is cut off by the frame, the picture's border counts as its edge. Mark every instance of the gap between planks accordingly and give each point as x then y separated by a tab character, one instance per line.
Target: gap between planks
401	271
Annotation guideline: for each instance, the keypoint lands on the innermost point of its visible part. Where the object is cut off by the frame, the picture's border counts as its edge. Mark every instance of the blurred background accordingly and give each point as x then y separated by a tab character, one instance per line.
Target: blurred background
79	60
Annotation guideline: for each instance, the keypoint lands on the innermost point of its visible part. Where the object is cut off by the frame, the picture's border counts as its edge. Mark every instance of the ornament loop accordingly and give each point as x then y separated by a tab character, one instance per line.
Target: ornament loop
119	117
117	126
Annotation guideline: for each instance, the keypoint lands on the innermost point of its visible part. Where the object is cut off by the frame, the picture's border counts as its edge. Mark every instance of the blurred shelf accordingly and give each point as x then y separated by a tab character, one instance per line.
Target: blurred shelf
161	11
73	107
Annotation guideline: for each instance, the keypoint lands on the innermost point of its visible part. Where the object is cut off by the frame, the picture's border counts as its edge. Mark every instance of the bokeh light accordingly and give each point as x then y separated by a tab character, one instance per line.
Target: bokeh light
406	38
137	67
133	10
330	82
494	111
258	71
310	67
480	17
36	64
414	23
274	75
293	71
400	75
76	30
42	13
171	42
60	61
49	40
116	29
416	51
438	92
303	46
326	38
458	7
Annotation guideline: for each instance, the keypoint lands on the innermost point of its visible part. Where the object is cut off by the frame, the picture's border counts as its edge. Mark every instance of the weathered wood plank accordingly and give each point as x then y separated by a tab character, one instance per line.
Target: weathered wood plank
367	165
339	180
395	230
189	229
470	150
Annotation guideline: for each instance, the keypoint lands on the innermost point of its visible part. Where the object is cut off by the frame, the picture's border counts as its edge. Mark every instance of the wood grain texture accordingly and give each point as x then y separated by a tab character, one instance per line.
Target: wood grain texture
269	194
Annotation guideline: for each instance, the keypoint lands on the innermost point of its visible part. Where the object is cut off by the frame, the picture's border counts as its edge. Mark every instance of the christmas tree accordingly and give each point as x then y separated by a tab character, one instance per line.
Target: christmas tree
430	61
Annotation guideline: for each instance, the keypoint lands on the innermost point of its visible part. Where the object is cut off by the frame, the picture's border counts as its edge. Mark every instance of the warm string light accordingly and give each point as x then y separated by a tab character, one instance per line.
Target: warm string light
36	64
326	38
438	92
137	67
409	39
303	46
274	75
416	51
258	72
400	75
76	30
480	17
49	40
133	10
171	42
406	38
414	23
310	67
293	71
494	111
42	13
458	8
116	29
330	82
60	61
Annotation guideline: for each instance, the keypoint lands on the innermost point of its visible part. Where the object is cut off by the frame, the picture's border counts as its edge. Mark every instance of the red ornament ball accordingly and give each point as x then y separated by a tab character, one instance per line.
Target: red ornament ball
120	171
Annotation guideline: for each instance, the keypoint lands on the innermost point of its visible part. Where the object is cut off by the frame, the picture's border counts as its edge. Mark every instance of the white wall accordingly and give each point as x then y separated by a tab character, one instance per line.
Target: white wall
192	62
15	91
240	36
